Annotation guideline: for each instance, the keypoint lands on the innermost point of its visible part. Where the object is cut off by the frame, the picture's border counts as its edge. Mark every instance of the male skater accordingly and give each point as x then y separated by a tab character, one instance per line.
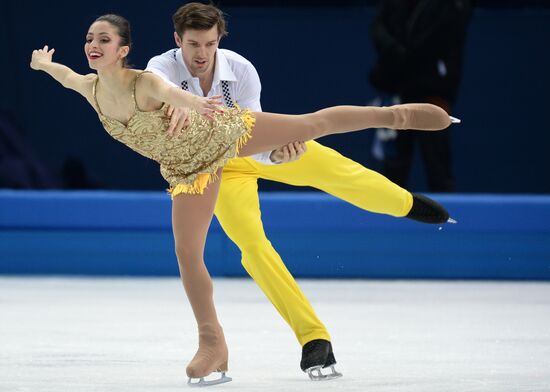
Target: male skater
199	66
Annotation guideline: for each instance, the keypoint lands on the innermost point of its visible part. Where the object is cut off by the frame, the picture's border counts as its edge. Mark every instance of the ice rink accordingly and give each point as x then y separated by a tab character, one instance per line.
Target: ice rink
118	335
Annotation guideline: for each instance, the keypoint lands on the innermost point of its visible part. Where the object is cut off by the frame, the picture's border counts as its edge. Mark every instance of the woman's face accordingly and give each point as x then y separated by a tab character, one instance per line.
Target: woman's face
102	45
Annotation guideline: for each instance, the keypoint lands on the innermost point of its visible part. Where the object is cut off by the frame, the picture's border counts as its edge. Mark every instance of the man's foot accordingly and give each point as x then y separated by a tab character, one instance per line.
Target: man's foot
427	210
212	356
420	116
317	355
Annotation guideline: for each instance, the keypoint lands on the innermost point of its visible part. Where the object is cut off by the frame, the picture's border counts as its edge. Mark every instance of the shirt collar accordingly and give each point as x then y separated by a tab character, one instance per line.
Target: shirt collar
222	70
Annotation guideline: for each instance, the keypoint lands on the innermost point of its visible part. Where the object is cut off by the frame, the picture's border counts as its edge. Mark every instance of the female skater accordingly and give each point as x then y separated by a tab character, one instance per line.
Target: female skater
130	105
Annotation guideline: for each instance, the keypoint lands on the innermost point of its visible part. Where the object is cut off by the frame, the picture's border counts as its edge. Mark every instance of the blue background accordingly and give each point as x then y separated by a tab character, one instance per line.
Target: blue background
308	58
128	233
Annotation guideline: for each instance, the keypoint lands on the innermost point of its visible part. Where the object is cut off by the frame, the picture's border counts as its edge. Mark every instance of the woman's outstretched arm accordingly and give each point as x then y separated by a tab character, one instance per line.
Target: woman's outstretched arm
164	92
42	61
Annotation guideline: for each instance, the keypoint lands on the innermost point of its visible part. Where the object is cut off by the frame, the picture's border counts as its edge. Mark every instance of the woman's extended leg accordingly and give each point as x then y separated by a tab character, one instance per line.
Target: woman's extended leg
191	217
274	130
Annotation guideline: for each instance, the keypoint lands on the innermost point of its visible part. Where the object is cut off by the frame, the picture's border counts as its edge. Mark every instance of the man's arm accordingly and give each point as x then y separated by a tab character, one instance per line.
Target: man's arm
248	92
249	89
162	66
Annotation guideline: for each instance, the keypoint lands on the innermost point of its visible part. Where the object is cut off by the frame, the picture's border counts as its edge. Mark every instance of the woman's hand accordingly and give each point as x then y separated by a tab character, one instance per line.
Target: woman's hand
41	57
179	120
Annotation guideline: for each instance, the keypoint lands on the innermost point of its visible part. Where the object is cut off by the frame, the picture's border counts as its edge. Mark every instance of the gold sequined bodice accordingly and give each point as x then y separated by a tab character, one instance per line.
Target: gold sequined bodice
201	148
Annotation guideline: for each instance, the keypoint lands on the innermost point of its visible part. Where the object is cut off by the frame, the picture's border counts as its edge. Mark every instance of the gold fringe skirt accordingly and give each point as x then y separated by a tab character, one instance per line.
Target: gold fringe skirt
235	127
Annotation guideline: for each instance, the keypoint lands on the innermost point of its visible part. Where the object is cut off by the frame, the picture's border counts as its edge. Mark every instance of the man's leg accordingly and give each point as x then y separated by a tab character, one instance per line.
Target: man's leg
329	171
238	212
326	169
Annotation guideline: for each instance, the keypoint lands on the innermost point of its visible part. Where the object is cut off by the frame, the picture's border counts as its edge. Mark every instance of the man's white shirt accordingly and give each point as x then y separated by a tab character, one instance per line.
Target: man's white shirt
240	76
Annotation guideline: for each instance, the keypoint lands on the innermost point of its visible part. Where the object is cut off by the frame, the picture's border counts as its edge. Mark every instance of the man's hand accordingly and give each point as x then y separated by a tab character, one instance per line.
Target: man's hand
179	120
207	106
288	153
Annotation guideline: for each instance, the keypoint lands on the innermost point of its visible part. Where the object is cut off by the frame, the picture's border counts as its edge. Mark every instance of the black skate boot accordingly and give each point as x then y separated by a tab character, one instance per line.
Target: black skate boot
427	210
317	355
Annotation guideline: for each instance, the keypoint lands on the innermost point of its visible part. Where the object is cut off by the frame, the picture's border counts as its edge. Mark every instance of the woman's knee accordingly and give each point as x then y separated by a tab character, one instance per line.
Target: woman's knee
188	253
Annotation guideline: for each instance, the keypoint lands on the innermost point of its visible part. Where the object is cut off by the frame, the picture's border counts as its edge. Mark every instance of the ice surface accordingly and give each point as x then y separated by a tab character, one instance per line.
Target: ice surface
80	335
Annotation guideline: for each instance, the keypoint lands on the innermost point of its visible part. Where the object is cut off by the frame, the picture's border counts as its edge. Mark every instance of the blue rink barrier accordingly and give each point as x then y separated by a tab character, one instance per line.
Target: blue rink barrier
129	233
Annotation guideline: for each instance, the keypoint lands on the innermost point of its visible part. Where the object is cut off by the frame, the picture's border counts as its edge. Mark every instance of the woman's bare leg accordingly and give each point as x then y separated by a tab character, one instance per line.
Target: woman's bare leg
274	130
191	217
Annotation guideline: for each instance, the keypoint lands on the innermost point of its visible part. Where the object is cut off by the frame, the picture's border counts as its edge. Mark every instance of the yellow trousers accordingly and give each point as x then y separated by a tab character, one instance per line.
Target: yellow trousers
238	211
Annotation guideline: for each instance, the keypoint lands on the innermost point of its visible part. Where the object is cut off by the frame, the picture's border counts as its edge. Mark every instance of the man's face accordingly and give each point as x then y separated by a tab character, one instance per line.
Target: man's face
199	50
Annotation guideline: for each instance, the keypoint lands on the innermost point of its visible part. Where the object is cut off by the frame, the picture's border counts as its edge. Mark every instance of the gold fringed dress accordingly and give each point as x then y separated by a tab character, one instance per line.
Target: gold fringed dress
189	161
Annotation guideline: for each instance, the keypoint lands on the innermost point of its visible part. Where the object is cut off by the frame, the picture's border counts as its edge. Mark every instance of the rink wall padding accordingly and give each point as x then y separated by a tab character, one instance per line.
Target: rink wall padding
318	236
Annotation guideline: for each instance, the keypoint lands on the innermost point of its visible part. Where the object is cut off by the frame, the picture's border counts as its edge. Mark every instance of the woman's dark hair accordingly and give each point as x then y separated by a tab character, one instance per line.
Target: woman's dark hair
123	28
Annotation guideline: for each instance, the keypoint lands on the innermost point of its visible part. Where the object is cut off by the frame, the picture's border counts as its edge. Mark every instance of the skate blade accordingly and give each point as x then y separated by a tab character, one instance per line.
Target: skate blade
451	220
204	383
315	373
455	120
